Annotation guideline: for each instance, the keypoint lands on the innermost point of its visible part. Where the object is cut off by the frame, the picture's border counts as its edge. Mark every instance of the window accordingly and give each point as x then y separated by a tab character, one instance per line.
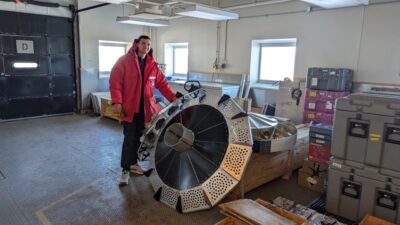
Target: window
176	59
109	53
180	60
277	58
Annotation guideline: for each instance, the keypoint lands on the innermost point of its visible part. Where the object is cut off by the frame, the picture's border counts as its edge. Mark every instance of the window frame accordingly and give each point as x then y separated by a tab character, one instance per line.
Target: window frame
274	43
125	45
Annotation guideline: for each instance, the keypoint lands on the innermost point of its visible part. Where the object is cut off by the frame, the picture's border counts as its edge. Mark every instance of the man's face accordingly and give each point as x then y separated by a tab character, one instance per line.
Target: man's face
144	46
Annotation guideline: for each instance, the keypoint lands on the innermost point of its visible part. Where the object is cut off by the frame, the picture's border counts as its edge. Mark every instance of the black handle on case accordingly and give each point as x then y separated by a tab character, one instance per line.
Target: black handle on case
390	133
387	196
347	186
358	126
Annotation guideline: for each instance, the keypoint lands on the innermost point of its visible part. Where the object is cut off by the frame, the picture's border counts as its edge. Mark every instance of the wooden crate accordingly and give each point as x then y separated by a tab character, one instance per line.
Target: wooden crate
264	168
371	220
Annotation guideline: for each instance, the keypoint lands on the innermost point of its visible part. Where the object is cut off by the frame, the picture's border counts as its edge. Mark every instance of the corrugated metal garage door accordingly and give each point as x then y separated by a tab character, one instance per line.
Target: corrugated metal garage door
48	85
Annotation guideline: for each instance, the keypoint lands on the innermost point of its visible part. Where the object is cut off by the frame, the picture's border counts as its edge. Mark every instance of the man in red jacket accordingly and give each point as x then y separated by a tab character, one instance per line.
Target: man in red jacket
131	85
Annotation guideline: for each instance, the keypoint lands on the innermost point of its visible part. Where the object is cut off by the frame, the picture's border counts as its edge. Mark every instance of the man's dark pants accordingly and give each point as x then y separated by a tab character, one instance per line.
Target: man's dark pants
132	133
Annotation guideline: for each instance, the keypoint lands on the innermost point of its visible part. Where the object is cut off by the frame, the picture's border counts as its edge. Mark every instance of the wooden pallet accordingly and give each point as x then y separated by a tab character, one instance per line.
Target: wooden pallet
266	167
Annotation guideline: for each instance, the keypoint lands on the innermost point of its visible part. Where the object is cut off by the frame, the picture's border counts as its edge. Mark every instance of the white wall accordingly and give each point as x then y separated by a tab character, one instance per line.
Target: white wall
201	36
94	25
366	39
380	45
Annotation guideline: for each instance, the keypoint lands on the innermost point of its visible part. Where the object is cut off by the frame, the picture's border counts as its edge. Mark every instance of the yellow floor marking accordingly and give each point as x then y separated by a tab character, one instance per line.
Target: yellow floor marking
40	213
42	218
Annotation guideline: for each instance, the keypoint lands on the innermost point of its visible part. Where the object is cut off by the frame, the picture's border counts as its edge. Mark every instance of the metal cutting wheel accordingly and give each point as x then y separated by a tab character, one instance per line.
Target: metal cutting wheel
198	152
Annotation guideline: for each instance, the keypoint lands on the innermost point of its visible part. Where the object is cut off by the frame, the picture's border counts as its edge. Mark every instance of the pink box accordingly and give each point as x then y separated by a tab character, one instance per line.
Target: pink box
333	95
312	94
321	106
326	118
309	116
313	100
319	95
310	104
322	95
322	101
329	106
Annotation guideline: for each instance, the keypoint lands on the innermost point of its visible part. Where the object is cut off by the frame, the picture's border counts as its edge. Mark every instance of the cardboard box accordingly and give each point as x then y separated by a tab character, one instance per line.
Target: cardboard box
313	176
256	109
314	167
286	106
106	110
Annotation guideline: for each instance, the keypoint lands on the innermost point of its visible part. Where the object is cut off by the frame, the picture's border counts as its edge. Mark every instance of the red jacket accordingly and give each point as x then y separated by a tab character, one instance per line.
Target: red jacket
126	85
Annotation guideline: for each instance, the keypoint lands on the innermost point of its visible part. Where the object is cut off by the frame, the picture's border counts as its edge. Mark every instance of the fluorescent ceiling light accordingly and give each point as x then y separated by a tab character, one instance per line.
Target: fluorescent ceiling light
329	4
143	22
114	1
205	12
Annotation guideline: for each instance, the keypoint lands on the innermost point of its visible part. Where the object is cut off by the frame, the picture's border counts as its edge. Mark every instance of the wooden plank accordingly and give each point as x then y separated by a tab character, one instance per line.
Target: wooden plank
237	217
249	210
291	216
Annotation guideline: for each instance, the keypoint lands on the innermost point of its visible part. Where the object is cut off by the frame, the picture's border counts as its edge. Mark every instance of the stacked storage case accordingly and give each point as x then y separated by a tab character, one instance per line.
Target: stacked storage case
320	143
324	86
364	176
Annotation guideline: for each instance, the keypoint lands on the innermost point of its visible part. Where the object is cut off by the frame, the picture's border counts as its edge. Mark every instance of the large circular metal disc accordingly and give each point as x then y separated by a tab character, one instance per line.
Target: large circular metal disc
190	168
198	151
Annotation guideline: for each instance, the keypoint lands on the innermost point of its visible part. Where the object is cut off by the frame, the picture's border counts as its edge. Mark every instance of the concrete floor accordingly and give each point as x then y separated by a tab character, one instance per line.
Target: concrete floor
64	170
